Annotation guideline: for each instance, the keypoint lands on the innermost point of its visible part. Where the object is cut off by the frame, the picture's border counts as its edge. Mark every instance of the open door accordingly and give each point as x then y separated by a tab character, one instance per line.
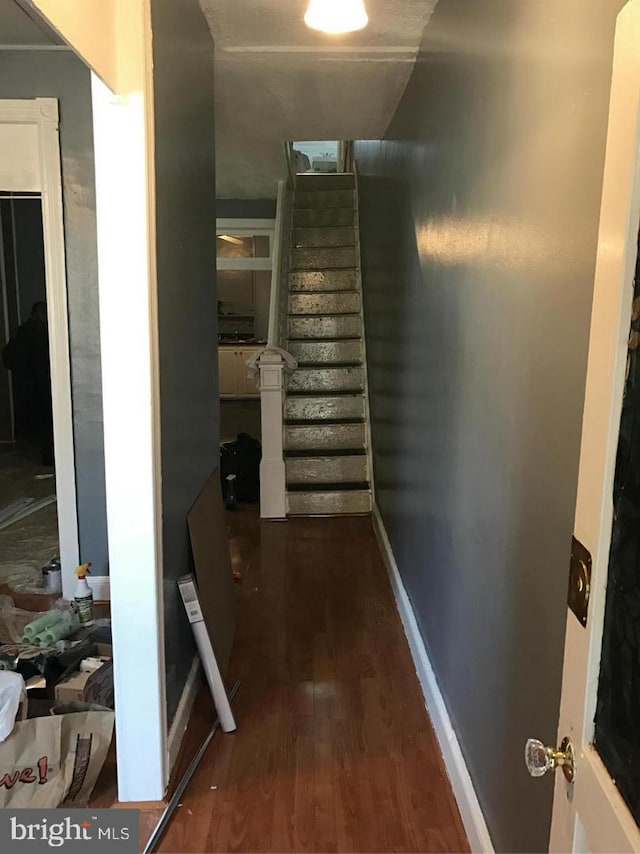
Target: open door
597	787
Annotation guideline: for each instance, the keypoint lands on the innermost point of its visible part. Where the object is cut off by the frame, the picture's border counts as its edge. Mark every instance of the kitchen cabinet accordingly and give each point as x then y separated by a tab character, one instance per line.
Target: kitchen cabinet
232	373
227	370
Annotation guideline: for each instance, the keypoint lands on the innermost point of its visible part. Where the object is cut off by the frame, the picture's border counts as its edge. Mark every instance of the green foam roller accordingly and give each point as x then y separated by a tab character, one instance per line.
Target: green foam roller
42	623
56	632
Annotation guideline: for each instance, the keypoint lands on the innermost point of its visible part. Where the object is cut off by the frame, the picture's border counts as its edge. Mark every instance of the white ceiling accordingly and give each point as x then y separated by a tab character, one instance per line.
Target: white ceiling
278	80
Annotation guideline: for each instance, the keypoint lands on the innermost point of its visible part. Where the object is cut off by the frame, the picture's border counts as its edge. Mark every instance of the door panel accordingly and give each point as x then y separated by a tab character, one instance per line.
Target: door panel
617	720
9	315
590	814
6	407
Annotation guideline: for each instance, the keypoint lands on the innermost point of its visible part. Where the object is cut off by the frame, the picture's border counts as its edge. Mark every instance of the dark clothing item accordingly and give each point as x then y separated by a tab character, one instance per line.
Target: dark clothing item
241	458
27	357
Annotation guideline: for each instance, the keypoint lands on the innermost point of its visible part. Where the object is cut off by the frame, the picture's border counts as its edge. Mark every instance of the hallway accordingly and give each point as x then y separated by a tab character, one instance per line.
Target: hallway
334	750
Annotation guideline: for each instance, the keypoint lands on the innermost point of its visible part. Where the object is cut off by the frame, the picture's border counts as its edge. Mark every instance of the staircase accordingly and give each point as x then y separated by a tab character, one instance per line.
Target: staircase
326	432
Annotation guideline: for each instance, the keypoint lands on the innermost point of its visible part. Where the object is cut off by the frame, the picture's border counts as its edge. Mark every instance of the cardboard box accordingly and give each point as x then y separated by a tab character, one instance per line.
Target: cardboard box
71	688
81	686
99	686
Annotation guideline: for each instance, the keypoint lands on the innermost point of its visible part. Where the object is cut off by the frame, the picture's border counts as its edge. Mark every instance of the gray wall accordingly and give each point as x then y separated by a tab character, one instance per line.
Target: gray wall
31	74
186	223
479	221
246	209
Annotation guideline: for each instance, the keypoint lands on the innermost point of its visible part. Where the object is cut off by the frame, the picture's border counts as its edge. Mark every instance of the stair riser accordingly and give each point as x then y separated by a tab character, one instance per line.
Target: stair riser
324	280
323	259
329	352
326	379
329	503
339	303
328	437
319	470
347	326
320	218
313	238
341	408
323	199
341	181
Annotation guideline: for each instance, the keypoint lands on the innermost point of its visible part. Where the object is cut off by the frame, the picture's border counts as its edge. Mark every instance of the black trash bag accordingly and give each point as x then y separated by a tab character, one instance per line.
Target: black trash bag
58	666
242	458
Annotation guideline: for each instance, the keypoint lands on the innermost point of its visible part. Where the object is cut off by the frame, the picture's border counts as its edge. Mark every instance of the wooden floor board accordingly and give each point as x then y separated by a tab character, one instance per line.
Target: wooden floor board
334	750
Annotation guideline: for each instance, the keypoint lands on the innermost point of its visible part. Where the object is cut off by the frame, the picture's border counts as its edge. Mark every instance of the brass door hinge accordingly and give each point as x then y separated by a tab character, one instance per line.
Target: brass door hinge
579	581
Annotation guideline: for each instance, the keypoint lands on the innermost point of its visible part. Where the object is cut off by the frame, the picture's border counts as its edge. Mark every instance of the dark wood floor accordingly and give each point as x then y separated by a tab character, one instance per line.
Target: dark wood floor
334	751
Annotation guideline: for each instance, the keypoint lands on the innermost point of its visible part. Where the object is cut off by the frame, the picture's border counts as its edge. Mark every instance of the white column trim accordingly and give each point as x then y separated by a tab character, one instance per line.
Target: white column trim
125	208
273	495
58	315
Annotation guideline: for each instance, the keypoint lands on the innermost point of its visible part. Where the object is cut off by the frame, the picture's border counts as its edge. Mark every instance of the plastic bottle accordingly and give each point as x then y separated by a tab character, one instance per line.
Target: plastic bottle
84	597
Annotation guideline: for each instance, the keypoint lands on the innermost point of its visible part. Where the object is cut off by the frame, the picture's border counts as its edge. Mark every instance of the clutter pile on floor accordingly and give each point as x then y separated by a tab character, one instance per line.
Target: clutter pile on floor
29	535
56	700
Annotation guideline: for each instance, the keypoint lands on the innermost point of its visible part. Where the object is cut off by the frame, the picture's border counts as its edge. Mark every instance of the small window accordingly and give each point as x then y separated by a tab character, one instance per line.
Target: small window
316	156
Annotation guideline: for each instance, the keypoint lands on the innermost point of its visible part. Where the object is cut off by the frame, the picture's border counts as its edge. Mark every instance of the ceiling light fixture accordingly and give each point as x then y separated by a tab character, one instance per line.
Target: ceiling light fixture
236	240
336	16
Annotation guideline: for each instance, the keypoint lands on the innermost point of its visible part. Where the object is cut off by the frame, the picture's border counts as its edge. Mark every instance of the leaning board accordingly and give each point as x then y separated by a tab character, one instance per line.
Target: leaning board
210	547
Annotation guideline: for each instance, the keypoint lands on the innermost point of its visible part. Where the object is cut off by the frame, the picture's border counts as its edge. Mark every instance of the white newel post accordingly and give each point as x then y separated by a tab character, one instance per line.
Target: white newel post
273	500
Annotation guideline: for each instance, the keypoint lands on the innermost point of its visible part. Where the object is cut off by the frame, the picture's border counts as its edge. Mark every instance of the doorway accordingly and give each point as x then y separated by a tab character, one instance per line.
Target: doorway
244	250
28	519
31	191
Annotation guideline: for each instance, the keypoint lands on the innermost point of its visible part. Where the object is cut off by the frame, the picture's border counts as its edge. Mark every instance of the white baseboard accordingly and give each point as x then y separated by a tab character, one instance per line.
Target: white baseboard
100	587
461	782
183	712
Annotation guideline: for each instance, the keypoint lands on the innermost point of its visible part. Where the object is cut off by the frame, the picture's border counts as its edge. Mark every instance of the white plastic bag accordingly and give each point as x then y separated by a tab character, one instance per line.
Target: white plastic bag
12	693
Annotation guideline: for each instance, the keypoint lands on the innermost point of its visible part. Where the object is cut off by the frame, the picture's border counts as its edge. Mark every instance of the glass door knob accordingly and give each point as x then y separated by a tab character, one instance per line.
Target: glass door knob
539	758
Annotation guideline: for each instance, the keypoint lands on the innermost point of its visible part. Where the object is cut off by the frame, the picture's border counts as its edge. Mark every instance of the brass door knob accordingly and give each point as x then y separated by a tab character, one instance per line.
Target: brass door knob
539	758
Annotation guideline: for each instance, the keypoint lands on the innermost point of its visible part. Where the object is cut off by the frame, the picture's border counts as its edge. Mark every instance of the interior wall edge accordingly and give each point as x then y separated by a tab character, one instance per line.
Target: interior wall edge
460	778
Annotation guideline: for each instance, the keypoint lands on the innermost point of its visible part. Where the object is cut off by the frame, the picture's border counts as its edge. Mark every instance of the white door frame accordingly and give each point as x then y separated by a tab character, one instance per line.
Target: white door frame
41	172
590	814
